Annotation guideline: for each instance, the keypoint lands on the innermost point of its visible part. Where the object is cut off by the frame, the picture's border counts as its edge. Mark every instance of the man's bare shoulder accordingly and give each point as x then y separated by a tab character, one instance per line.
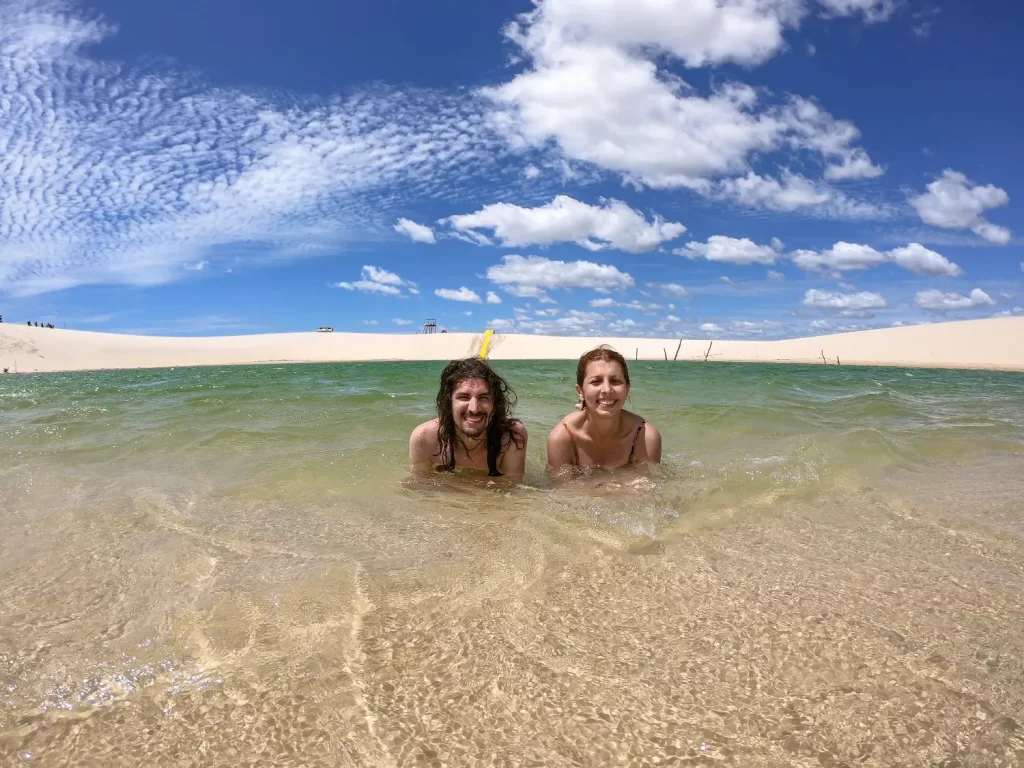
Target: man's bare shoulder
423	441
426	430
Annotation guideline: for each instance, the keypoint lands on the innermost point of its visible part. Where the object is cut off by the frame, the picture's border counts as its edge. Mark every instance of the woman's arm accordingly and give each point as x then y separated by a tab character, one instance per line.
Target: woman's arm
652	444
560	452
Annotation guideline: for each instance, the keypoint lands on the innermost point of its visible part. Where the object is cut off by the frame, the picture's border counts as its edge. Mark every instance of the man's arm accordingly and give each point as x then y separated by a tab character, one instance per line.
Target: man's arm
513	462
423	449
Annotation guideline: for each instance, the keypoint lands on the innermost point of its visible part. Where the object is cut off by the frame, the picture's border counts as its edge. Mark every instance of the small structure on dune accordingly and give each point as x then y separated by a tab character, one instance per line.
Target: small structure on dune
430	325
325	329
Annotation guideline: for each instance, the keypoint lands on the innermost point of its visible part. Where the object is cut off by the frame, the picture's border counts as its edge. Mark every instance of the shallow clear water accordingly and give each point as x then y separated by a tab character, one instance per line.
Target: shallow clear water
230	567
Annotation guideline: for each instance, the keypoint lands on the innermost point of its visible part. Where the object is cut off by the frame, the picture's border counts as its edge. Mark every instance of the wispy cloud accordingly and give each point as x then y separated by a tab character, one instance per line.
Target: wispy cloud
197	325
843	301
421	233
119	174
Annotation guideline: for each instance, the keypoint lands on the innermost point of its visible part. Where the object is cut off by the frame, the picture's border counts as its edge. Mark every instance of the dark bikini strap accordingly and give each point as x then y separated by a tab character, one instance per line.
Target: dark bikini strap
636	434
572	440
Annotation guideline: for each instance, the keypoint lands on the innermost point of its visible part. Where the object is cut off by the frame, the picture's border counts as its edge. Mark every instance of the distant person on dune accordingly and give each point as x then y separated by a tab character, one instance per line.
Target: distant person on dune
601	432
474	427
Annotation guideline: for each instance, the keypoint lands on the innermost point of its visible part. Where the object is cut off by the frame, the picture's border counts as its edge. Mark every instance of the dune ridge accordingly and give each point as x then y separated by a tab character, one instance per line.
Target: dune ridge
994	343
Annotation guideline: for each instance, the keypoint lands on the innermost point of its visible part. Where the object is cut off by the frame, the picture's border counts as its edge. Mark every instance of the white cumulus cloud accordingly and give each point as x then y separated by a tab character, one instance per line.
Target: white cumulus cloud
421	233
843	257
711	328
493	298
535	274
377	280
565	219
594	88
730	249
401	321
922	261
461	294
939	301
843	301
954	202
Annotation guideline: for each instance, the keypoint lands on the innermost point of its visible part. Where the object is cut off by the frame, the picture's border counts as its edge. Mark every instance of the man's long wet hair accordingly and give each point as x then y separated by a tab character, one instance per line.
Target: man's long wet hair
501	423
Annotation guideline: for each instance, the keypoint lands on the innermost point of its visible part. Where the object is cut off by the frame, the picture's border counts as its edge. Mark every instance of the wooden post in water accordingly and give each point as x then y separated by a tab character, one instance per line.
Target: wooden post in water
666	352
676	356
709	351
823	360
637	353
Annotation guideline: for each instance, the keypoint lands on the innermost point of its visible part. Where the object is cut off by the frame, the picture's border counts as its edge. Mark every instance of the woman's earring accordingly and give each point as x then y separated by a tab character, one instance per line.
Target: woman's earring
580	403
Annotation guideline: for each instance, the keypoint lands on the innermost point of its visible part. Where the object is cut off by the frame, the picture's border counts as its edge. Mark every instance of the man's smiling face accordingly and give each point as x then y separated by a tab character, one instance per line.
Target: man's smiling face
472	407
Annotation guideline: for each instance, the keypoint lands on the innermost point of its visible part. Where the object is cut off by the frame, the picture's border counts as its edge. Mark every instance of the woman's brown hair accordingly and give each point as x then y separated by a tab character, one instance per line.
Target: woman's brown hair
605	354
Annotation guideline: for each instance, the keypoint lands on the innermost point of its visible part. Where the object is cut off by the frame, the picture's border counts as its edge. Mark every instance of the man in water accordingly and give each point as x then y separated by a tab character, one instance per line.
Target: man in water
474	427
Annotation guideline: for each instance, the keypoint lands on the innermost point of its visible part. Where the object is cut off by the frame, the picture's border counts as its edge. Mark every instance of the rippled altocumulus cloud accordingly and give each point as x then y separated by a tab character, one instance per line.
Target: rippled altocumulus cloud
113	173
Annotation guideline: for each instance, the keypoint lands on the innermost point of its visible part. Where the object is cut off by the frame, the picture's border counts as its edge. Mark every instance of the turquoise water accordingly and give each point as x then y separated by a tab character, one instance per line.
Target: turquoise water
233	562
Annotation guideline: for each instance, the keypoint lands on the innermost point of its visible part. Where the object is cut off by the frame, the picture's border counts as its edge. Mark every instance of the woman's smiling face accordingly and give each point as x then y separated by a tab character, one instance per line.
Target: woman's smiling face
604	389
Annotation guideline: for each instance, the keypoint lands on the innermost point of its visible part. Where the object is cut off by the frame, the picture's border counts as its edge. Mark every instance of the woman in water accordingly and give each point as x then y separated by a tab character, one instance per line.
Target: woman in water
601	432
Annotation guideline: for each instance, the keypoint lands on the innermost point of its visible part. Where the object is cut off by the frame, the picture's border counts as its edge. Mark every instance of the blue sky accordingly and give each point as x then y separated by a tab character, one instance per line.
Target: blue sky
739	168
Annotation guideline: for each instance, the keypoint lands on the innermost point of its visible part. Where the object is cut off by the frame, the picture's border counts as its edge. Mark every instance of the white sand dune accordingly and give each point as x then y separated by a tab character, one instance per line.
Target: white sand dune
996	343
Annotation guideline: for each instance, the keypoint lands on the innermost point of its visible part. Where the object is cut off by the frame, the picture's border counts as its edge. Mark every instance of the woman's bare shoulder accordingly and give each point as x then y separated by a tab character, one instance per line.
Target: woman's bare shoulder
633	420
652	442
572	420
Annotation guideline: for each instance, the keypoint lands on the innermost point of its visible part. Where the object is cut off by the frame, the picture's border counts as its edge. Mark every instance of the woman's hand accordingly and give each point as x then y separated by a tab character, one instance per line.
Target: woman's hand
643	484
